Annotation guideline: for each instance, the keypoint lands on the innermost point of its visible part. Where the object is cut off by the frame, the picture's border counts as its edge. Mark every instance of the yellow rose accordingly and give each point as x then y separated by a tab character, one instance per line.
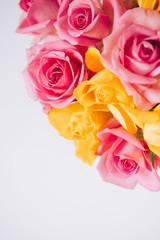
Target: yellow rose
152	4
104	87
80	124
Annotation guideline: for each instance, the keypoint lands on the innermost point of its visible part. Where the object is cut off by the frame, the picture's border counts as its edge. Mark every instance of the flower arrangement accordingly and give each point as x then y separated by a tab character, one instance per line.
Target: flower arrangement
95	68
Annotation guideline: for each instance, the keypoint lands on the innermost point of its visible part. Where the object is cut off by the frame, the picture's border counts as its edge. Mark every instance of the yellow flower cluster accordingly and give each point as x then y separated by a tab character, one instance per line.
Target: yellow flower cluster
152	4
99	99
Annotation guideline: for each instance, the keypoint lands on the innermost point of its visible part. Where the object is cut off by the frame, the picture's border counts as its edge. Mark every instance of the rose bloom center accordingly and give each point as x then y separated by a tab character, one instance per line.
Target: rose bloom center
145	51
54	74
80	18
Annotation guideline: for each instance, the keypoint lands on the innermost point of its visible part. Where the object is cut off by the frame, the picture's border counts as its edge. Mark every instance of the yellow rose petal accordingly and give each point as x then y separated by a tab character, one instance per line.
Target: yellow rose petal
151	4
121	115
61	119
157	108
86	150
93	60
154	149
152	133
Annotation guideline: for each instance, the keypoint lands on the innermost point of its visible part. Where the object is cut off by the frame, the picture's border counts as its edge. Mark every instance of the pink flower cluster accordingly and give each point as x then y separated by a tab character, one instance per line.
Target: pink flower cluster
69	27
128	39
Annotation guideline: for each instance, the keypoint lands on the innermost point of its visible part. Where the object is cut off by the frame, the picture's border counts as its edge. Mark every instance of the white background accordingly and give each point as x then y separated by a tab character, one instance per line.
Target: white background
45	191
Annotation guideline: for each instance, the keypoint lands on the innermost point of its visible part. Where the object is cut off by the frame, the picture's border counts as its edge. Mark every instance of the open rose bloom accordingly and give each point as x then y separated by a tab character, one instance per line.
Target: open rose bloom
78	21
95	68
132	52
54	69
125	160
38	16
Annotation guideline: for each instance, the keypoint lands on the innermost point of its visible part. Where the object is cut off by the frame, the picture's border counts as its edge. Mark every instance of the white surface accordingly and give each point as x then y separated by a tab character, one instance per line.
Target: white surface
46	193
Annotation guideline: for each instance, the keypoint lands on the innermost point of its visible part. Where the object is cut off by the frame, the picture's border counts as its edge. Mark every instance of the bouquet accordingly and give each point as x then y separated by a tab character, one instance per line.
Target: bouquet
95	68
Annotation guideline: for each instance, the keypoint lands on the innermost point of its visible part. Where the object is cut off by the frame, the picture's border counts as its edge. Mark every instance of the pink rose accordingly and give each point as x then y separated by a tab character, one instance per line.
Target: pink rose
54	69
82	21
128	4
125	160
115	9
38	16
132	52
25	4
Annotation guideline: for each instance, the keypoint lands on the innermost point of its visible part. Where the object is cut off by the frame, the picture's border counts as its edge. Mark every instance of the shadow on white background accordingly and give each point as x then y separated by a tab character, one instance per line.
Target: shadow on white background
46	193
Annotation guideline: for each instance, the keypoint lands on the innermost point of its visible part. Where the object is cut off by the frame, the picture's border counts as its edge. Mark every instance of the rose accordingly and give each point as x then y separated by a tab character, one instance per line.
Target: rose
115	9
103	88
80	124
82	22
38	16
128	4
132	52
25	4
125	159
144	124
54	69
